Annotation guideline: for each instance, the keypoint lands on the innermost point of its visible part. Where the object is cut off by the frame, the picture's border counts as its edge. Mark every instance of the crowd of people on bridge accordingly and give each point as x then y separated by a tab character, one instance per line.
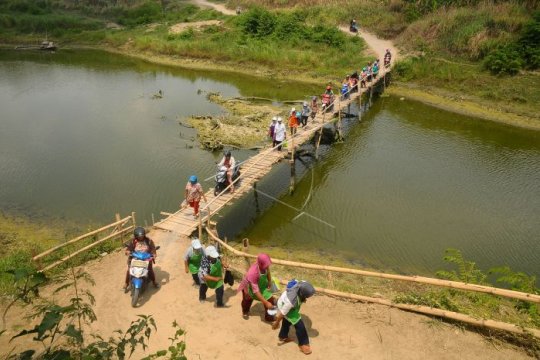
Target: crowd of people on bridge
299	118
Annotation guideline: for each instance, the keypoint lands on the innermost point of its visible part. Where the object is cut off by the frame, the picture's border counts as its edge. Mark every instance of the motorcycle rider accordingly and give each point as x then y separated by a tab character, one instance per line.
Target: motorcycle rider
141	243
230	163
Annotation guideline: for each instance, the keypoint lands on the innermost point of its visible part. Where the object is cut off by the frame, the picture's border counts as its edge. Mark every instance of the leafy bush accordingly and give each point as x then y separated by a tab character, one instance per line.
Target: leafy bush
504	60
143	14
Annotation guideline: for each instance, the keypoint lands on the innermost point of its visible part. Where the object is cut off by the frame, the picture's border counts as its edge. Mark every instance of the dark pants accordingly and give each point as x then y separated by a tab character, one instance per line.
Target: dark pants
196	279
304	120
301	332
247	301
219	294
278	143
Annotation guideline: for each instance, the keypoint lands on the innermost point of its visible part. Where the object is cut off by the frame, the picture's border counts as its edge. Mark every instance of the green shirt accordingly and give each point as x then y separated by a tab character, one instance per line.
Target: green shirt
263	287
216	270
195	262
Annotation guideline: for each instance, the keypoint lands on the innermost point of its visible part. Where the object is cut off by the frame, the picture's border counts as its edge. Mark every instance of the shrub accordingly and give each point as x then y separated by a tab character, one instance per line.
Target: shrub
504	60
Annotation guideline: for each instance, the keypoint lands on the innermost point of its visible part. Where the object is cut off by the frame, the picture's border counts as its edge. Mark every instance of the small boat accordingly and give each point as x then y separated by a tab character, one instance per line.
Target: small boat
48	46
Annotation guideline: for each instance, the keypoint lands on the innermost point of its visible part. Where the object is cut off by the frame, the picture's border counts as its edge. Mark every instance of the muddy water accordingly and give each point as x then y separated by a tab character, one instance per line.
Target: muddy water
81	138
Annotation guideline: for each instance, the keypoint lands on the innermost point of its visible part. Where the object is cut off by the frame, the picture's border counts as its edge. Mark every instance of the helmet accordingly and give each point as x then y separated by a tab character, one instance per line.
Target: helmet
139	232
274	118
305	103
328	87
293	110
313	98
228	153
364	68
193	179
279	119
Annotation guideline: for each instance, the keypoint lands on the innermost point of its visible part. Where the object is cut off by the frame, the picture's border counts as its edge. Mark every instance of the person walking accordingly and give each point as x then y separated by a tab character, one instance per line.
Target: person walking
305	113
192	260
193	194
289	304
314	107
256	285
293	122
271	129
211	275
280	133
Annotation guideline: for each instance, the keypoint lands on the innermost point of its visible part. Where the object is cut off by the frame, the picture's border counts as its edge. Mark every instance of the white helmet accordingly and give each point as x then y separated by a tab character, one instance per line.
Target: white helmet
279	119
274	118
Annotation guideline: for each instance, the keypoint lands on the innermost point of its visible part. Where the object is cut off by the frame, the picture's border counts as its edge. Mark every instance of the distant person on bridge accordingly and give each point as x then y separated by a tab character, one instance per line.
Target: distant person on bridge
141	243
289	304
314	107
305	113
211	275
256	285
293	122
280	133
230	163
387	58
271	130
192	260
193	194
375	69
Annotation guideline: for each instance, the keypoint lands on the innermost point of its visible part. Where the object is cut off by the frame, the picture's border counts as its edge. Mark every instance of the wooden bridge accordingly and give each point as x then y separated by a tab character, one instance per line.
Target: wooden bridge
182	221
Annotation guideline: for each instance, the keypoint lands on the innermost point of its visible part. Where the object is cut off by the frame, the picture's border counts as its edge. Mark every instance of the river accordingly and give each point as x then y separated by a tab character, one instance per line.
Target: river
81	139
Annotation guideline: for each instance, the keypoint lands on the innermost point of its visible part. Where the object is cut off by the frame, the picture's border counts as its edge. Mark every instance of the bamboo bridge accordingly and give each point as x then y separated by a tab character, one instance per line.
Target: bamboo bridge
182	221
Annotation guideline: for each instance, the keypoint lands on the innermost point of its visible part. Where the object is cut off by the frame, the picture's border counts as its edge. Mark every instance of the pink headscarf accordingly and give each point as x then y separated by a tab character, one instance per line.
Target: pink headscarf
264	261
254	273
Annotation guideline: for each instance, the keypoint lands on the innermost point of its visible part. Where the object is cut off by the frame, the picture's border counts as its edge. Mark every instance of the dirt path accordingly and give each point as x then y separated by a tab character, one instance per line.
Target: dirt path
219	7
338	329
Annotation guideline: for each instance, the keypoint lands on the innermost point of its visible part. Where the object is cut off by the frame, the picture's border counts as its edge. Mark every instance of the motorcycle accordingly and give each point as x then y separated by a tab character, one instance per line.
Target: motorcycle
327	101
221	178
138	271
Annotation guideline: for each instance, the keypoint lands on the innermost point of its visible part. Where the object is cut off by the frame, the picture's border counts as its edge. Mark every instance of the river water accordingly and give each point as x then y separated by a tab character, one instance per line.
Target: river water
81	139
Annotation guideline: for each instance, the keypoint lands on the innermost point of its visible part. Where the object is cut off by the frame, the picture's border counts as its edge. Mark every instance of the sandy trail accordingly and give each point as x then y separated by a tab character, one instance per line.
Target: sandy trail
338	329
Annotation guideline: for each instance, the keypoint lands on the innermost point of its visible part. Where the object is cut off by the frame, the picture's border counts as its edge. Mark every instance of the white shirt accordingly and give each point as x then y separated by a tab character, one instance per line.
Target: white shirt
279	132
284	305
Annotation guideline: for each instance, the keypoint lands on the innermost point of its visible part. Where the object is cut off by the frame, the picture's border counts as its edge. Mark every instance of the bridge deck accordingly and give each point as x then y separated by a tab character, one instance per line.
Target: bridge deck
182	222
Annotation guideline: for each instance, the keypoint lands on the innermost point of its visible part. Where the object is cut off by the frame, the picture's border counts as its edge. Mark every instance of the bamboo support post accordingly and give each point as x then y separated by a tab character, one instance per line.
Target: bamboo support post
133	219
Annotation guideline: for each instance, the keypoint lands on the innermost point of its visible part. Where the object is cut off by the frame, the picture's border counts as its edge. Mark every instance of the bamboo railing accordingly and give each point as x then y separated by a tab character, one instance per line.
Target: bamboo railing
497	325
117	227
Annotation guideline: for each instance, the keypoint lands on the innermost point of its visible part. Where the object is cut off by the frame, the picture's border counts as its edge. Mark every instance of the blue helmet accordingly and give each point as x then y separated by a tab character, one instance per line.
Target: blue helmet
193	179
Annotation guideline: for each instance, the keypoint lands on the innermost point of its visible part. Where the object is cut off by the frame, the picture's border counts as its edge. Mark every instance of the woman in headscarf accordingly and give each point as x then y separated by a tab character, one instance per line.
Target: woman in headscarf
256	285
289	304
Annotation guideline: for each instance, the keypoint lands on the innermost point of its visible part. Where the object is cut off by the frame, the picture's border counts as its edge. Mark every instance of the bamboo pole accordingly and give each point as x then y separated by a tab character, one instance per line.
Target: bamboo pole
133	219
491	324
47	252
417	279
86	248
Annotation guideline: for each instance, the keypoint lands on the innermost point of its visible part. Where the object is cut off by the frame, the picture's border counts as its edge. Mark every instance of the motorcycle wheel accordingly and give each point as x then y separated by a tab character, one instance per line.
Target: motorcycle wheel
134	297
